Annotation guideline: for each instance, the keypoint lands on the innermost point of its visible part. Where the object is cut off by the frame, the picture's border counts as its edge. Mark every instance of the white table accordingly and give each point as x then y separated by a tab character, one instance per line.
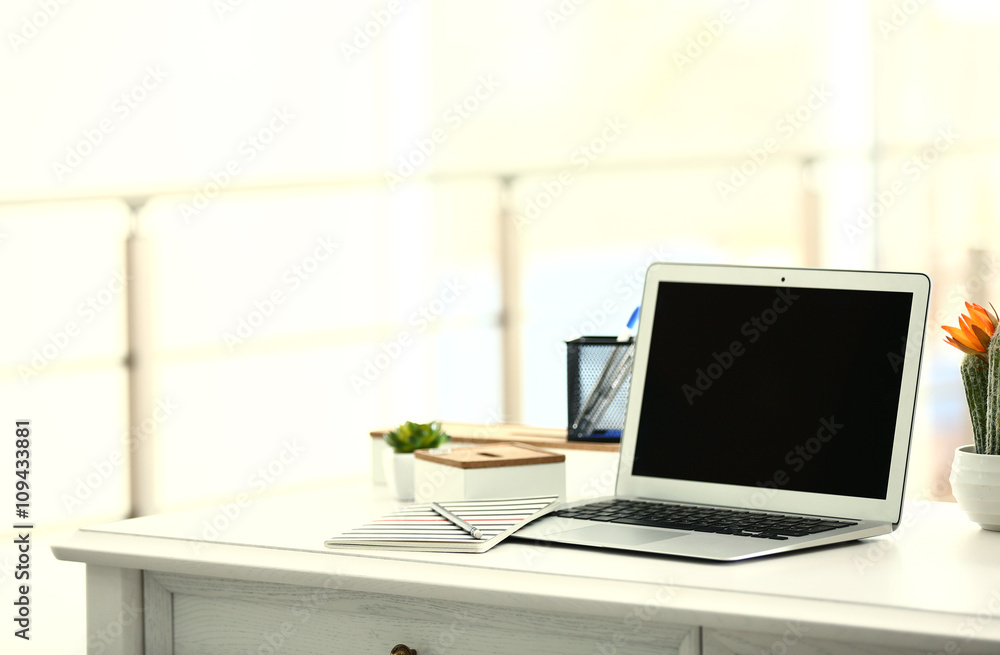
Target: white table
264	583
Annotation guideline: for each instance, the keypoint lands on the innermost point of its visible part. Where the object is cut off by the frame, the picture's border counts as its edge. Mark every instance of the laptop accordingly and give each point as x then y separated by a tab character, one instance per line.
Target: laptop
769	410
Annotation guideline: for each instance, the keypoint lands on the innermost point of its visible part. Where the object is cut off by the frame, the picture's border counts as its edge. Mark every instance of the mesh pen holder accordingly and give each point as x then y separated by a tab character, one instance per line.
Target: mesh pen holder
598	371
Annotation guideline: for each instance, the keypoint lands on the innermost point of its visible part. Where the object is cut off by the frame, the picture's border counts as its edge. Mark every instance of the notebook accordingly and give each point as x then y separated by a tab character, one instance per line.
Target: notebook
769	410
418	527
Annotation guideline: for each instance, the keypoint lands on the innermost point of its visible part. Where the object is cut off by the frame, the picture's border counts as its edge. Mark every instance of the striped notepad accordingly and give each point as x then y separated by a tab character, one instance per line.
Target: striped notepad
418	527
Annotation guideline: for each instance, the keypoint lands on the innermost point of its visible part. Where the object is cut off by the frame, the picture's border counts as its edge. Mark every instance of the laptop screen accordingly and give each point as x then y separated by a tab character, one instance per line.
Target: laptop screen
793	388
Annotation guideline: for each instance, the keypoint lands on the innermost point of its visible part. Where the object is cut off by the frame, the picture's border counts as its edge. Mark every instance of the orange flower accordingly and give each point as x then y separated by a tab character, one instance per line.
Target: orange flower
975	330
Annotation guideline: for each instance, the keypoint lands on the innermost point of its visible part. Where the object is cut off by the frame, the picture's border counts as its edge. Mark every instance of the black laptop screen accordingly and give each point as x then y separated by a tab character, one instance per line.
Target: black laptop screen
792	389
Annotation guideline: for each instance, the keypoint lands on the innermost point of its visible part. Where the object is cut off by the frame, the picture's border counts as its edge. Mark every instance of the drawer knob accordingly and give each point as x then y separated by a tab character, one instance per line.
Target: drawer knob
401	649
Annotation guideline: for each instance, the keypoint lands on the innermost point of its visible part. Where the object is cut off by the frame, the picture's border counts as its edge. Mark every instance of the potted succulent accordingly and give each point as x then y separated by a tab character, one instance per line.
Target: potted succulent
397	462
975	471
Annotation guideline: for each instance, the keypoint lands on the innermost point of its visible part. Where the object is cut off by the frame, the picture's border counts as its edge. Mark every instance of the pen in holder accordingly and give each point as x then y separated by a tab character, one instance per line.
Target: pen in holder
598	372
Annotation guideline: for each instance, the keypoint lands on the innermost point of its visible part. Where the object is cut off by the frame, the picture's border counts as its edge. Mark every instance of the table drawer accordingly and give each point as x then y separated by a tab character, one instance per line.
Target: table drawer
797	639
221	617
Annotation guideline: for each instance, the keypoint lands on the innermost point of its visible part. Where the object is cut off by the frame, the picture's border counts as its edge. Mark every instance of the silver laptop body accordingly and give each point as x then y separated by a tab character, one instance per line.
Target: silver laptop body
782	391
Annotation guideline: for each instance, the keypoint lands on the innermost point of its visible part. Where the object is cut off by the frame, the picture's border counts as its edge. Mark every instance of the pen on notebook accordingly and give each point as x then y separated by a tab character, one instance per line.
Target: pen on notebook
471	529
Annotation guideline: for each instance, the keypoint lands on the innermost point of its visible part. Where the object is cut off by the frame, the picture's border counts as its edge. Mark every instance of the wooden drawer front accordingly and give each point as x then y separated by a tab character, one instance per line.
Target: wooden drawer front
224	617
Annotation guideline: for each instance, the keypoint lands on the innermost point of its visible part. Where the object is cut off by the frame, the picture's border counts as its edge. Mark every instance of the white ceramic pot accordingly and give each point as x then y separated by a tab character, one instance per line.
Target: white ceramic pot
398	469
975	481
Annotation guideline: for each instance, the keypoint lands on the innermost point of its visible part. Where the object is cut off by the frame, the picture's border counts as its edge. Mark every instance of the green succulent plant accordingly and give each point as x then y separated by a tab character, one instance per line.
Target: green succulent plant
412	436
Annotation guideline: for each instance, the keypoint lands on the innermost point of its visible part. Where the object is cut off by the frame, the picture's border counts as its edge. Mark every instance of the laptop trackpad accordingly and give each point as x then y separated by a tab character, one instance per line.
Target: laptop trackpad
617	535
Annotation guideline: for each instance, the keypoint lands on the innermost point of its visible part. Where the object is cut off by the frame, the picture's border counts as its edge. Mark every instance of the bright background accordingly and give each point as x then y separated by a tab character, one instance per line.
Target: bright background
545	154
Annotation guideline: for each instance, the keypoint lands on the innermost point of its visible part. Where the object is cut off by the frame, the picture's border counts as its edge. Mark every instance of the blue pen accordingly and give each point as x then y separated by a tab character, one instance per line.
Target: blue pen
629	326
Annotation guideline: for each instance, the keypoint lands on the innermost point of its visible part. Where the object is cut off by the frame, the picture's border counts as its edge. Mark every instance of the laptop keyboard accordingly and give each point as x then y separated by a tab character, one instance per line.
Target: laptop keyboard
742	523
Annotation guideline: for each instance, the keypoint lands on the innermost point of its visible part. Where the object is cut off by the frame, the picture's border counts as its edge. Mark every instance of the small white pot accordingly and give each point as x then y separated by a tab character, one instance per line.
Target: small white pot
975	481
398	469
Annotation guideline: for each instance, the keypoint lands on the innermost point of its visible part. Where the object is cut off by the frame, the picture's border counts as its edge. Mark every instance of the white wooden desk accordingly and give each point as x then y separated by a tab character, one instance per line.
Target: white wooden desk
263	583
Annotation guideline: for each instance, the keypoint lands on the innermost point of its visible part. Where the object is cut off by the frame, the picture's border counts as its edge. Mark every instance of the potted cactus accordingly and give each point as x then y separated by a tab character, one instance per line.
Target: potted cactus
397	462
975	471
